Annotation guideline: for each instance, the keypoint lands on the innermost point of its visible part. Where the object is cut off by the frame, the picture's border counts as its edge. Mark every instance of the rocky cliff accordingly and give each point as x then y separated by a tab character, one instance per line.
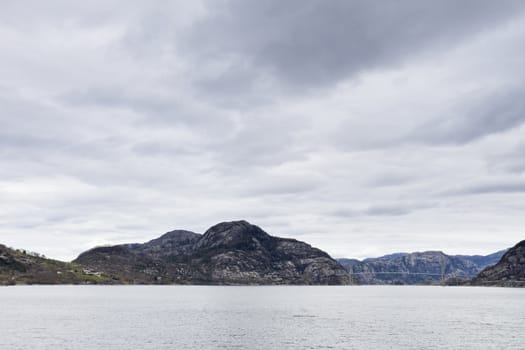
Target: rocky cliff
417	268
228	253
508	272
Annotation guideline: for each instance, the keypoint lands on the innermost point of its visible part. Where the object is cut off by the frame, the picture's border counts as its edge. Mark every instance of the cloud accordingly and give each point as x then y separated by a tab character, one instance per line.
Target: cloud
501	187
387	210
343	123
307	44
484	114
390	179
509	160
154	109
384	209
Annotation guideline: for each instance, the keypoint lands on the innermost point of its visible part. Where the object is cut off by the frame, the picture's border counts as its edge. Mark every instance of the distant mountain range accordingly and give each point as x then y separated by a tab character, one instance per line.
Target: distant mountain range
418	268
239	253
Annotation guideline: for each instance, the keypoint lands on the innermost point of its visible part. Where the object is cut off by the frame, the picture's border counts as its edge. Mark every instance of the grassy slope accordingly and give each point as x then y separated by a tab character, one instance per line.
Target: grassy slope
19	267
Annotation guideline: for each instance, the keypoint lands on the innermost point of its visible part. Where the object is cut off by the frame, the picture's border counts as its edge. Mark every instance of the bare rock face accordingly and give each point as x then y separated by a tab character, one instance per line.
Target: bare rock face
508	272
228	253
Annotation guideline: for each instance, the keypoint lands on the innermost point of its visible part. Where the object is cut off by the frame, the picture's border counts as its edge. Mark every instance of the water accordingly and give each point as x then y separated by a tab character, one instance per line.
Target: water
199	317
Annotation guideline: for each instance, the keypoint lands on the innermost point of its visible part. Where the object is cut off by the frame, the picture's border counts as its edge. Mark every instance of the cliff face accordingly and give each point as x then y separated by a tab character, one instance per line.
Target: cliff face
417	268
228	253
508	272
20	267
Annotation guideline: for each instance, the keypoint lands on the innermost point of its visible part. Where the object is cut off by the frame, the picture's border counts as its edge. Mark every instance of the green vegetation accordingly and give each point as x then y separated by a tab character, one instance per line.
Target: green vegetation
22	267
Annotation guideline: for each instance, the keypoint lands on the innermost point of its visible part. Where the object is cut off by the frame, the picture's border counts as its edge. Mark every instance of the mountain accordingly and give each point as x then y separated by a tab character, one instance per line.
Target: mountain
227	253
417	268
508	272
22	267
240	253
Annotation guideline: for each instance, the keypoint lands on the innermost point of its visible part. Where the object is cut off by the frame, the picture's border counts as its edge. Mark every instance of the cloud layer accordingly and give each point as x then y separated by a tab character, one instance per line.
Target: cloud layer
361	128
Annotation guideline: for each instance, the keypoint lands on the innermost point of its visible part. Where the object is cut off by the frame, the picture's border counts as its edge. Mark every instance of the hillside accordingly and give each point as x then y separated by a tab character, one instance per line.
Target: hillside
508	272
21	267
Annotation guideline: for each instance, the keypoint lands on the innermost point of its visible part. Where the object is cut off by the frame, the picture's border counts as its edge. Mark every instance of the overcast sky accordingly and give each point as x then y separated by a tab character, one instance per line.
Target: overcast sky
360	127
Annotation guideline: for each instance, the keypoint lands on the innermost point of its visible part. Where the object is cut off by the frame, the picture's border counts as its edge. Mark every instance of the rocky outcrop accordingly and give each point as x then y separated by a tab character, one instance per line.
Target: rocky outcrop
228	253
417	268
508	272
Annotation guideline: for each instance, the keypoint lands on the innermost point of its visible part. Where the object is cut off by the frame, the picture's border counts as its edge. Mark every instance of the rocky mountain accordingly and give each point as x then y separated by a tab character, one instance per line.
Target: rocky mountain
228	253
417	268
240	253
508	272
22	267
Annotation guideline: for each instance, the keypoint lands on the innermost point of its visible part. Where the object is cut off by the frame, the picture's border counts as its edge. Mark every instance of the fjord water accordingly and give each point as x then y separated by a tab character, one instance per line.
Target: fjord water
206	317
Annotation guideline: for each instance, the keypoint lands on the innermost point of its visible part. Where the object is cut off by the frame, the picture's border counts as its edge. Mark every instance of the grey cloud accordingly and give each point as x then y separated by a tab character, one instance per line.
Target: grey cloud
163	109
483	114
314	43
493	187
388	209
156	148
253	139
261	141
282	185
512	161
391	180
236	85
122	124
11	142
31	128
154	106
345	213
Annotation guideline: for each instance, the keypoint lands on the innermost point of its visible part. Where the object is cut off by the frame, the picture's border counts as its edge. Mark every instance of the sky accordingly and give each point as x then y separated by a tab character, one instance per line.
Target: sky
363	128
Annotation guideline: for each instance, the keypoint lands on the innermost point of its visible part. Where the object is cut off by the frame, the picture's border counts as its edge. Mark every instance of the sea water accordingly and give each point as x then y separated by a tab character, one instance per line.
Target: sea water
285	317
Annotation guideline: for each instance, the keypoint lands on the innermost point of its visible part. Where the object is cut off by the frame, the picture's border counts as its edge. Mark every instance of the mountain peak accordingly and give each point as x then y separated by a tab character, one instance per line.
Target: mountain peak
173	243
177	236
232	235
229	225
